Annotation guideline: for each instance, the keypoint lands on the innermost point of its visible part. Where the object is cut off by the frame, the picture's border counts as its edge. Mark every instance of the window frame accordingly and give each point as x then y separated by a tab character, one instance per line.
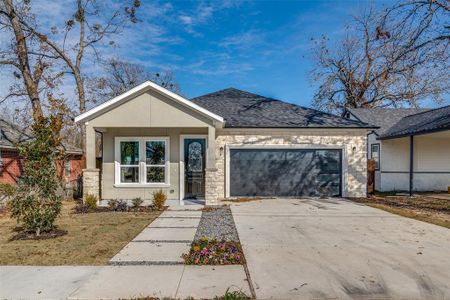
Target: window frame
377	168
142	165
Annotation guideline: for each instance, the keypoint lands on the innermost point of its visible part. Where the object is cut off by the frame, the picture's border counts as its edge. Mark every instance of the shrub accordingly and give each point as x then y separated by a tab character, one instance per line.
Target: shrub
82	208
112	204
137	202
159	199
122	205
36	204
91	201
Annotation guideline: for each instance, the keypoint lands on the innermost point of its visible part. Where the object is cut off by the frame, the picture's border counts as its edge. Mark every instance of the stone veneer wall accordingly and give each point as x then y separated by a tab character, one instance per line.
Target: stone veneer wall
91	182
355	166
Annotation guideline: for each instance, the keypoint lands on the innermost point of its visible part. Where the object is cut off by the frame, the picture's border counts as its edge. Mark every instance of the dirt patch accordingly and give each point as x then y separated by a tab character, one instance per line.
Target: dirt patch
23	235
431	210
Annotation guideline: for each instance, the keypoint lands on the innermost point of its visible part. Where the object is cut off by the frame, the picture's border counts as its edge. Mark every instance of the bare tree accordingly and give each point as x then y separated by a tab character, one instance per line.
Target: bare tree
121	76
387	58
86	23
20	55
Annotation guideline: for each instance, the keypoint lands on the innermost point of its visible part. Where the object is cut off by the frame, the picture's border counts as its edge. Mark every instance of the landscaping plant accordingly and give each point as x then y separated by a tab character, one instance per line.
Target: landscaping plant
36	204
233	295
122	205
159	199
91	201
112	204
137	202
212	252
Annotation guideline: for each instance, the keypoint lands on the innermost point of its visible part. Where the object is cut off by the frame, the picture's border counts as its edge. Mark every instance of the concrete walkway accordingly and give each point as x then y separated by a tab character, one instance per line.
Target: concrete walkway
338	249
149	266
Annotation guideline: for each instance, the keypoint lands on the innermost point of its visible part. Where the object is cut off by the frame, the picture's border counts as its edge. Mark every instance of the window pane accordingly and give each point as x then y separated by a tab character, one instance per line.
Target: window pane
155	174
129	153
155	152
129	174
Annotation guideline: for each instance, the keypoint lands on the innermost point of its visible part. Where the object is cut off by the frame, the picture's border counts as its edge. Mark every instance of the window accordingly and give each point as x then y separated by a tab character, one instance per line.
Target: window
142	160
67	168
375	155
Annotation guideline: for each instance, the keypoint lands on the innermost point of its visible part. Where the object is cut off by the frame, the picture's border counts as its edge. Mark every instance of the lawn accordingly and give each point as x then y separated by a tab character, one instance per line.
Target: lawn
422	208
91	239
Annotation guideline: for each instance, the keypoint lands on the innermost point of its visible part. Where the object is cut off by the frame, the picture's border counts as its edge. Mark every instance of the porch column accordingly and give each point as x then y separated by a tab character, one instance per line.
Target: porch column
211	184
411	165
91	175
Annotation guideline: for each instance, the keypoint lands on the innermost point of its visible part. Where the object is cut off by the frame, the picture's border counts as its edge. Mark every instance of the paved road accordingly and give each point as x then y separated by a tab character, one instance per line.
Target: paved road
339	249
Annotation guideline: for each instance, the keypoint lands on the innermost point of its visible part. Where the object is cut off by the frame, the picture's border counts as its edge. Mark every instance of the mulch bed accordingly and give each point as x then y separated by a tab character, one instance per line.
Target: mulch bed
24	235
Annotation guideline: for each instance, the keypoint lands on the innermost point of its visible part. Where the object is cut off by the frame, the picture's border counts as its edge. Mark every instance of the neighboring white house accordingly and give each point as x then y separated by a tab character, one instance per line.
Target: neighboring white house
424	133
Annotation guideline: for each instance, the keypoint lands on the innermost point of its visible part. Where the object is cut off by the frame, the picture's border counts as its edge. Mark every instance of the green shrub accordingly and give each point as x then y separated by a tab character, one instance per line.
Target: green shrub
159	199
36	204
137	202
91	201
112	204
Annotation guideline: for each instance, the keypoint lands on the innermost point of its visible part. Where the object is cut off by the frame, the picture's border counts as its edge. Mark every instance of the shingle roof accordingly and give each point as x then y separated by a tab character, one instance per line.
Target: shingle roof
11	135
424	122
384	118
242	109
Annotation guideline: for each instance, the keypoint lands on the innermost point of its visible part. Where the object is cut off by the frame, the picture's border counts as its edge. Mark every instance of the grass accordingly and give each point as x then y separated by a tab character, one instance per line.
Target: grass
92	239
426	209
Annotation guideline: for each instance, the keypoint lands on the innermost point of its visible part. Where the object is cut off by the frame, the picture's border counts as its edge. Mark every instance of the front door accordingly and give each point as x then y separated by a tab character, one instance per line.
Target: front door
194	168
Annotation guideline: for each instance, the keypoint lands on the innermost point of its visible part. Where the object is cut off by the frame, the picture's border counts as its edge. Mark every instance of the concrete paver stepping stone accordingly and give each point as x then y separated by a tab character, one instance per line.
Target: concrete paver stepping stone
180	214
159	234
151	252
131	282
202	282
52	282
175	222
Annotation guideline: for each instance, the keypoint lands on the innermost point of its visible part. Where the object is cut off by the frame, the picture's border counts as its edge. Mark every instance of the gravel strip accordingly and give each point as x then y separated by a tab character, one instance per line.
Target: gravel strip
217	223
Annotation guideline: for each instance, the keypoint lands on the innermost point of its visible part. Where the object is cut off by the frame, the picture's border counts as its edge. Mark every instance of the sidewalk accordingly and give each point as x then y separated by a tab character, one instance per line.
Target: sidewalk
149	266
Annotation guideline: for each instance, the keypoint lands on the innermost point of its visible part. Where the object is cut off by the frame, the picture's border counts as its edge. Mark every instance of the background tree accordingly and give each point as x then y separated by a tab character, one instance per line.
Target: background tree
90	28
24	56
396	57
120	76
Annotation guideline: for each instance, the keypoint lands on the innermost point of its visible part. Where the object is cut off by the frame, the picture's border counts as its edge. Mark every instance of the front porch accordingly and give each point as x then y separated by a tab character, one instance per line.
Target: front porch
136	162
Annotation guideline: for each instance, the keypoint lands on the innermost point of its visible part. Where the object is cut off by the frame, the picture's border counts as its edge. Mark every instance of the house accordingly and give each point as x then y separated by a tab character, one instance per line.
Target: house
11	164
228	143
411	147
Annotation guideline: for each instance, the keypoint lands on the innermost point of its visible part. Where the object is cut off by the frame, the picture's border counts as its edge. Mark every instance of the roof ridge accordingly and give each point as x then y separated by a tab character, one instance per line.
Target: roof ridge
427	111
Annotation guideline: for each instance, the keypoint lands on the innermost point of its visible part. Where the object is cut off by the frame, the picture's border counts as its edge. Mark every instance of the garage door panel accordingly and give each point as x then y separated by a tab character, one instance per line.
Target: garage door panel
279	172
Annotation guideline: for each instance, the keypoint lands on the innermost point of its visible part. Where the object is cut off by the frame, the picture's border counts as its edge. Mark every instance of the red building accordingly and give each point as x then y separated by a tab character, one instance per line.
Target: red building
11	165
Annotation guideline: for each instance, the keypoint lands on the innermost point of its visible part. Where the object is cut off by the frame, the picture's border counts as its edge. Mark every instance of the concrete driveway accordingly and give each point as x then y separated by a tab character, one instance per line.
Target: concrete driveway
340	249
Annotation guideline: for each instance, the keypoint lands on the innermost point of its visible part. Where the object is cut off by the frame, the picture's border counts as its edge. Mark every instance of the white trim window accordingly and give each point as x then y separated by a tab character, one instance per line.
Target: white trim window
375	155
142	161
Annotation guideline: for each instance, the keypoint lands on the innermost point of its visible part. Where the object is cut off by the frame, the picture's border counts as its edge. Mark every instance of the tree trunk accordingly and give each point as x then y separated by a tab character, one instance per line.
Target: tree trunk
22	55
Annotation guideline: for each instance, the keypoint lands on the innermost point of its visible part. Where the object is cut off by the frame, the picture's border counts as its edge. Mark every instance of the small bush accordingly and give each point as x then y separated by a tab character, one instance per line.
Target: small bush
137	202
82	208
112	204
91	201
122	205
159	199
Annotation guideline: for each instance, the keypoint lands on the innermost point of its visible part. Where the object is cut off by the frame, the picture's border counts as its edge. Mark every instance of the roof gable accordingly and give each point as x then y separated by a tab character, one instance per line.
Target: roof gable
242	109
142	88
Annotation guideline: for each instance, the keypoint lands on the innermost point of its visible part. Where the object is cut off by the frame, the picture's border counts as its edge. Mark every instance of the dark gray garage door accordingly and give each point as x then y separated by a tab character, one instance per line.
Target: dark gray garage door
285	172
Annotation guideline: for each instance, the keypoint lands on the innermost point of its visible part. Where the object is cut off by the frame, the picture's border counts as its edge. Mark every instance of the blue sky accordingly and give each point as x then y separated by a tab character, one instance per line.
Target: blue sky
260	46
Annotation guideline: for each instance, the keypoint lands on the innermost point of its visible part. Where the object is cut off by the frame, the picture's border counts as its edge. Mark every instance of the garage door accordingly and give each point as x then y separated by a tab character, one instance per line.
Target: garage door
285	172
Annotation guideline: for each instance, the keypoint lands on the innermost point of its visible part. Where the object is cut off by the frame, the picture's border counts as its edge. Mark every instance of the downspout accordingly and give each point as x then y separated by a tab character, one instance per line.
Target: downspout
411	165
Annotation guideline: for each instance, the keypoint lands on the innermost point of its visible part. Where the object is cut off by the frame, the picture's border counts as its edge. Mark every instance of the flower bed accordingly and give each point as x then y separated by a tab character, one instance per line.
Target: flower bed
212	252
